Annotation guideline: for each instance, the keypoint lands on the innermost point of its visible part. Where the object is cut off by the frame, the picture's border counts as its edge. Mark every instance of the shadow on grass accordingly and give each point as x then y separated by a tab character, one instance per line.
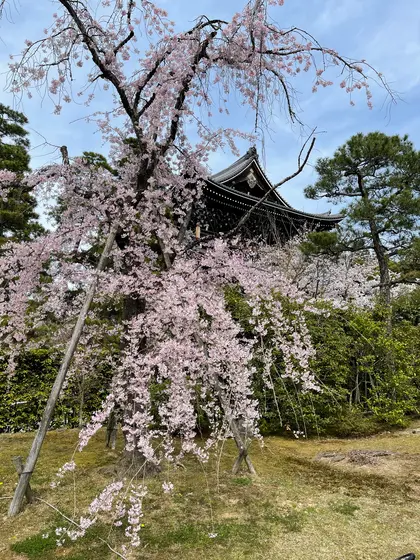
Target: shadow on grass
355	483
345	507
43	546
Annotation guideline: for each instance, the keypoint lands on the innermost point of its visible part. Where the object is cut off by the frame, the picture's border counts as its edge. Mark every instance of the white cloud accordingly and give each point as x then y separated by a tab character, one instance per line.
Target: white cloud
338	12
394	44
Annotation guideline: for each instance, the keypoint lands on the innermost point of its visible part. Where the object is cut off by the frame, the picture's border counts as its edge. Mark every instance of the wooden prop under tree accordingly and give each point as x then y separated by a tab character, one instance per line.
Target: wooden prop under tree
25	475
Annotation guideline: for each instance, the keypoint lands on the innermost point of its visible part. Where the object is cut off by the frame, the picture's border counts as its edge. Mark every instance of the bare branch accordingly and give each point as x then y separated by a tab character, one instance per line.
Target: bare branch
303	149
107	73
299	170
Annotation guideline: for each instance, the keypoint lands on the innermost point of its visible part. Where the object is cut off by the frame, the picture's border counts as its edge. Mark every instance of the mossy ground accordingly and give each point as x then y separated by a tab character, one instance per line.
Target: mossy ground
295	508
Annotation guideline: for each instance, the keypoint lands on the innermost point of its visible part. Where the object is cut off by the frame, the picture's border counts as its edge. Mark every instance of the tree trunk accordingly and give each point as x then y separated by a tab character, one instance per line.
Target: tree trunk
242	443
134	460
381	257
380	252
239	436
111	431
357	389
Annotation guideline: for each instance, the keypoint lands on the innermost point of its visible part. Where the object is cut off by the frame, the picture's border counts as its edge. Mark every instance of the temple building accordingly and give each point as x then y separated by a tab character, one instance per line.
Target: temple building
231	193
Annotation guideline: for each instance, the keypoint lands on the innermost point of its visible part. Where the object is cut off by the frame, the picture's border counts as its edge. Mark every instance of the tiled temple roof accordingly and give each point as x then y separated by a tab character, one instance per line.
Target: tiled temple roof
222	186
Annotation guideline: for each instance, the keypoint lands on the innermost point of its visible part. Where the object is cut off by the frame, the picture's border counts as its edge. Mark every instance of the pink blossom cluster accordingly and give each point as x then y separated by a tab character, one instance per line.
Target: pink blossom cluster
249	55
6	178
342	280
100	508
186	341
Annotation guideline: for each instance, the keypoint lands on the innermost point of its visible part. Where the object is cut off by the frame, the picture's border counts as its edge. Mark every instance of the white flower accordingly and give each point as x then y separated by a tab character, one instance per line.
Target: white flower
167	487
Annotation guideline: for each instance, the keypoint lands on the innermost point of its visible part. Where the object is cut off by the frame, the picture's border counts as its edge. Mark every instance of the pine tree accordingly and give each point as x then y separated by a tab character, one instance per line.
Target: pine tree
378	177
18	219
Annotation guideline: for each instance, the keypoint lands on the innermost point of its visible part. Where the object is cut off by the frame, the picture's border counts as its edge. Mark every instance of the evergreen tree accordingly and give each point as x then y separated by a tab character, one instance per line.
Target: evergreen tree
18	219
378	176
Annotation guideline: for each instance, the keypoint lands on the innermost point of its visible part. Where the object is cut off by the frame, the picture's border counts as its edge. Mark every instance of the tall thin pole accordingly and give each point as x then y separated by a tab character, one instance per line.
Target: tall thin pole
25	476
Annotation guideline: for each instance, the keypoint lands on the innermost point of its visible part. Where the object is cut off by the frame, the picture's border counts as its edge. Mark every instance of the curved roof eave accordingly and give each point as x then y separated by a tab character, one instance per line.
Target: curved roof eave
326	218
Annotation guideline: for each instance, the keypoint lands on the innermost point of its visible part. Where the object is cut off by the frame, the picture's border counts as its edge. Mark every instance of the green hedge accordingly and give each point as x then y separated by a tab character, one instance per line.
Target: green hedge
370	379
24	393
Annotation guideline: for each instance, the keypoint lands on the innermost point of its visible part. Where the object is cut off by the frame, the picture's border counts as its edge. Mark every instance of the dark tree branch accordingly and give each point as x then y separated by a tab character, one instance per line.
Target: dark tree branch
186	84
215	24
124	42
283	84
301	166
149	77
147	104
131	34
107	73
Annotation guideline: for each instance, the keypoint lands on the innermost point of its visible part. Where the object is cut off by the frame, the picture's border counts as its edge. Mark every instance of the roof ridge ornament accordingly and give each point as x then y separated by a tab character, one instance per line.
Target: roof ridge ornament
252	153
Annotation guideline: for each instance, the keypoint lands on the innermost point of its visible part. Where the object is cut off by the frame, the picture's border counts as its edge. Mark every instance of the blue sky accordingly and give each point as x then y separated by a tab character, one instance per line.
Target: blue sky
384	32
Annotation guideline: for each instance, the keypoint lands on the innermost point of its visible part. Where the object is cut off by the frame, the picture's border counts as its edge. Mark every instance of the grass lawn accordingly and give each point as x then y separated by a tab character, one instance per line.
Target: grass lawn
297	508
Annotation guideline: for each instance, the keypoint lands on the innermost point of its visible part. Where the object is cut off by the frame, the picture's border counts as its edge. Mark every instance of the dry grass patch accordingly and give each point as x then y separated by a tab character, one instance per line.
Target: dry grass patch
295	508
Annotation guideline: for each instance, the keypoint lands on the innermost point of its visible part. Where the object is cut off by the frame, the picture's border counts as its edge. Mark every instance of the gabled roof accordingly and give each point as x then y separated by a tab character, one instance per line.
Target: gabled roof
232	197
241	169
248	162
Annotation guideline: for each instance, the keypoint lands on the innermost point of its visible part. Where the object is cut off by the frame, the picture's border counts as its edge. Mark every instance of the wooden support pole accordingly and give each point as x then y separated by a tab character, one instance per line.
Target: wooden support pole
111	430
17	502
18	463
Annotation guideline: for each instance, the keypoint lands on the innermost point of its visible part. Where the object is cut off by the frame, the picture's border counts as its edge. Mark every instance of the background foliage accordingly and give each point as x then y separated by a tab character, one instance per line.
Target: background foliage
24	394
359	393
